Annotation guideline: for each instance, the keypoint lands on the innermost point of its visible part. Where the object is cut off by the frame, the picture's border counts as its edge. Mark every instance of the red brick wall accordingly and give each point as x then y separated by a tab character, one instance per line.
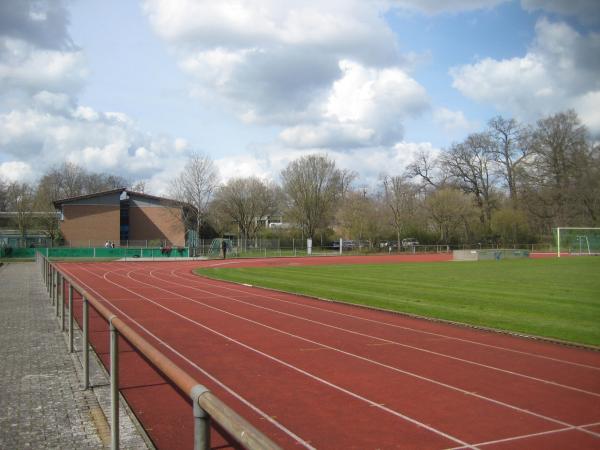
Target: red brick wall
98	223
156	222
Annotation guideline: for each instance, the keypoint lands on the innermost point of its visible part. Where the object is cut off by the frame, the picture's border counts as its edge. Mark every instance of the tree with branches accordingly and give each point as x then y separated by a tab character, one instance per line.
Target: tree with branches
510	148
195	186
314	186
469	164
3	195
21	198
400	196
450	210
562	161
247	202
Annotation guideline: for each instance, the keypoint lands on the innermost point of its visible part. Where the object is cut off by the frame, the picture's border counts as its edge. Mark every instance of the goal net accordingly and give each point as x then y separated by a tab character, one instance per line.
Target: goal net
577	241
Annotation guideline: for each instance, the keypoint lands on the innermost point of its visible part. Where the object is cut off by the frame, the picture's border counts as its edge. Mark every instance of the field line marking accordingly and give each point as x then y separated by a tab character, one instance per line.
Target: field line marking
415	330
445	385
525	436
383	340
396	369
292	367
243	400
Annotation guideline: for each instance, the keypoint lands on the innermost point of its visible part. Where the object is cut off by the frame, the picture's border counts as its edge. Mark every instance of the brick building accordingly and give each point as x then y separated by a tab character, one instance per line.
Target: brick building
121	216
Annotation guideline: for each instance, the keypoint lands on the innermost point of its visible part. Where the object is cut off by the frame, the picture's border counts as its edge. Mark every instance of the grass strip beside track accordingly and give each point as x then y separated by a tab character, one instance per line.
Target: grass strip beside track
554	298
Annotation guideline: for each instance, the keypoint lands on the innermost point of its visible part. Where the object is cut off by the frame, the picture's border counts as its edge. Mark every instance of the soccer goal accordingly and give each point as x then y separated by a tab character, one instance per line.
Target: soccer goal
577	241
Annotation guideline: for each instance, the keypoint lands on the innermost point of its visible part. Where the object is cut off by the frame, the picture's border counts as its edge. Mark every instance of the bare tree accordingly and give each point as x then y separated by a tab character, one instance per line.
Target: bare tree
358	216
45	194
510	149
247	202
98	182
195	186
469	164
427	168
139	186
561	157
71	180
450	210
21	198
510	225
314	187
588	186
400	196
68	180
3	195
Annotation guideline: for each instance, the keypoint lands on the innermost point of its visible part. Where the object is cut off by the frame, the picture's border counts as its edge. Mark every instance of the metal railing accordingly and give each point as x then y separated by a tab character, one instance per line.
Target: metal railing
206	405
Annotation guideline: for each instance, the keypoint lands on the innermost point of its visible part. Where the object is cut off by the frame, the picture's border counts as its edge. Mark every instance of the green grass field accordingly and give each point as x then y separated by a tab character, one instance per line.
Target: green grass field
556	298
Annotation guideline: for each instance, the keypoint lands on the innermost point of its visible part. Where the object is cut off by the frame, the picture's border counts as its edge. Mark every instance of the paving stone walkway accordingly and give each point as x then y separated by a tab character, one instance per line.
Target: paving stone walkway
42	404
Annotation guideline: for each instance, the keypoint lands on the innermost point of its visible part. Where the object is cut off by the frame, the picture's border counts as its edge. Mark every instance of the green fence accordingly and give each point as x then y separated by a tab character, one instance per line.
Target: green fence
95	252
10	252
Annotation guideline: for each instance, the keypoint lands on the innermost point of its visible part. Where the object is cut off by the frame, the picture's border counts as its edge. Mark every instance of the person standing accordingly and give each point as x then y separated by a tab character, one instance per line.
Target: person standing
224	247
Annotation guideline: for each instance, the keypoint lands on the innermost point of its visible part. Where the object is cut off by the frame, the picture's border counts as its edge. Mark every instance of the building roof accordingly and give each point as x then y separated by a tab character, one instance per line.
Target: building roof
58	203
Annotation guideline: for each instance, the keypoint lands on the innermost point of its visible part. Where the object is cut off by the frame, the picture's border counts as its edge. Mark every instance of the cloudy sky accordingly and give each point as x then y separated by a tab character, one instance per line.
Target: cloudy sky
132	88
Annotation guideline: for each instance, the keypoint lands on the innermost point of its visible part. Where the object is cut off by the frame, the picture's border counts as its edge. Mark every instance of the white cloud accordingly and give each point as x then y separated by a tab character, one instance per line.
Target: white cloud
510	84
97	141
588	106
29	68
445	6
330	73
362	94
588	11
43	23
41	120
365	107
369	163
16	171
245	165
296	65
335	26
50	101
452	121
561	67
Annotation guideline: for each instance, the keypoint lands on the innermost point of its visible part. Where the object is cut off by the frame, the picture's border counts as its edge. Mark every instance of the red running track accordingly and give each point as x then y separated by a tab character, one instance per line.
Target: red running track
316	374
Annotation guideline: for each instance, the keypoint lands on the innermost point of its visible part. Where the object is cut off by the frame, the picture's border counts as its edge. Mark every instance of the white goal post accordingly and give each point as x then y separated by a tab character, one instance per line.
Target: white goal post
578	240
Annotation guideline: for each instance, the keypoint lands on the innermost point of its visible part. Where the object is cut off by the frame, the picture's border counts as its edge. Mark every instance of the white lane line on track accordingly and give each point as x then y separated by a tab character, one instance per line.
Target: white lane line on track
415	330
395	369
525	436
445	385
250	405
290	366
383	340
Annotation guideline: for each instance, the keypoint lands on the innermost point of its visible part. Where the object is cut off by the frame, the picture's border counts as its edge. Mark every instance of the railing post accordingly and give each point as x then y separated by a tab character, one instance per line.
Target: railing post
70	318
86	351
62	304
53	286
57	304
50	283
201	420
114	385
